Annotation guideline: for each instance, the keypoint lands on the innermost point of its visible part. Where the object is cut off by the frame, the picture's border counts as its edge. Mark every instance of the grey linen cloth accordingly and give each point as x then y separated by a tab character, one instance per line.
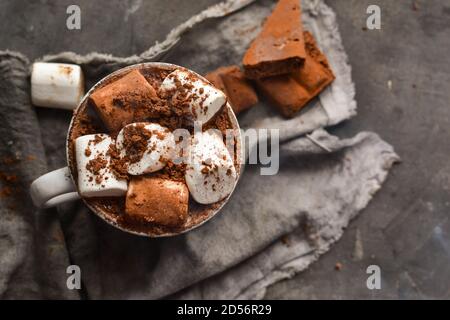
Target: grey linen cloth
237	254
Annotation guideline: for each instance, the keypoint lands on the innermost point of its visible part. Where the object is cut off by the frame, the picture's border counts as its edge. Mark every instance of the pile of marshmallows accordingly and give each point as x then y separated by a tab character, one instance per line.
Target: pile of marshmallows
210	172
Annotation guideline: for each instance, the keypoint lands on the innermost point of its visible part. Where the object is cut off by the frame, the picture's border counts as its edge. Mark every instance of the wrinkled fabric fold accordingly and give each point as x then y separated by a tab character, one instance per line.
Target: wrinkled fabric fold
33	254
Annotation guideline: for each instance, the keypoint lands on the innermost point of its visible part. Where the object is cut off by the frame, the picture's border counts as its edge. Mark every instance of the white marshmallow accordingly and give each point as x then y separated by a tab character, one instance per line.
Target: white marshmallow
210	173
109	186
56	85
160	147
206	100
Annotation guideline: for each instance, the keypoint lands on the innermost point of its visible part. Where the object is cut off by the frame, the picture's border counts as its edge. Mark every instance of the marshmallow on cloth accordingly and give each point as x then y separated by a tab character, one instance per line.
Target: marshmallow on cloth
204	100
95	178
146	147
210	173
56	85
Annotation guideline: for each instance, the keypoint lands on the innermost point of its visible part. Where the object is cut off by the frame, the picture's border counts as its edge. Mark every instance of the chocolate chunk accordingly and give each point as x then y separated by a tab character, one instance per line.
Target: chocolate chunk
238	89
291	92
279	48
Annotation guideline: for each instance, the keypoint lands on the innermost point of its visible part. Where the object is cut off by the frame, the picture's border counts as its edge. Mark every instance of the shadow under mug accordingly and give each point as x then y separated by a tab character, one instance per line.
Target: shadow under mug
59	186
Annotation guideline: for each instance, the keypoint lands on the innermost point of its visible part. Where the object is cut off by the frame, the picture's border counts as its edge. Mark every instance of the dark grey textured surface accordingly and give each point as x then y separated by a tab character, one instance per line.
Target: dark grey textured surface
32	249
405	229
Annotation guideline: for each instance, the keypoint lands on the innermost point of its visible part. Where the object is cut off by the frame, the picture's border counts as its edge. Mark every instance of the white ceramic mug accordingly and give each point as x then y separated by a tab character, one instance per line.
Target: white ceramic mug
58	186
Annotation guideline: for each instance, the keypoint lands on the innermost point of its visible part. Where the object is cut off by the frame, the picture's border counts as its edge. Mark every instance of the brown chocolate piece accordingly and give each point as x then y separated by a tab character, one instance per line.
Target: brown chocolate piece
117	102
279	48
156	200
215	78
293	91
238	89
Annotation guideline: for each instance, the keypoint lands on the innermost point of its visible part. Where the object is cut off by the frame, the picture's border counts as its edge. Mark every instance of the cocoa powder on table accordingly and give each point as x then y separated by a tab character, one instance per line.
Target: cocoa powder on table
6	192
10	181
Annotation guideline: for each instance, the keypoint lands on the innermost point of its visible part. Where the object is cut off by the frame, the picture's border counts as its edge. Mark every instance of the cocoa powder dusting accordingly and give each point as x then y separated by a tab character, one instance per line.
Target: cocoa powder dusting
172	171
97	139
313	51
31	157
11	186
152	107
160	135
178	100
95	166
221	121
85	124
117	166
135	142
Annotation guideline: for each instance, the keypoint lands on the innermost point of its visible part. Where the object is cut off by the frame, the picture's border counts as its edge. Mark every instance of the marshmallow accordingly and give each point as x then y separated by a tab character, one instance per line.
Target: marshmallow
56	85
159	147
157	200
210	173
95	178
204	99
118	101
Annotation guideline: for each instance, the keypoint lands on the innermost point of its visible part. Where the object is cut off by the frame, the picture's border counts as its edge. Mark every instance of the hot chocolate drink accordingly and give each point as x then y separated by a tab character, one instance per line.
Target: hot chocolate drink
131	165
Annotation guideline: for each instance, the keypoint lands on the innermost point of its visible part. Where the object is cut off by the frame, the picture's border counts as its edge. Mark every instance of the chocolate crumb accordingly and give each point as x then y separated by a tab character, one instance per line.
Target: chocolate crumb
95	166
118	166
135	142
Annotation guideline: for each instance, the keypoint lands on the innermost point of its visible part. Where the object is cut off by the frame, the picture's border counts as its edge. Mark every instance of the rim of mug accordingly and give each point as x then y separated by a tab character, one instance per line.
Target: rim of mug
235	126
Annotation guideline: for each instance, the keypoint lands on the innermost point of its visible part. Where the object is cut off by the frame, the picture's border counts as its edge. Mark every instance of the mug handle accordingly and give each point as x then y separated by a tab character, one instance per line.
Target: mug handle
53	188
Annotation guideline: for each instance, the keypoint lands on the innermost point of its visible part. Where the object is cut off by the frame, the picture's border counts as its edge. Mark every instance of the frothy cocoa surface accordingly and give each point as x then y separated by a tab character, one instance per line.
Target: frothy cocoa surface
112	209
